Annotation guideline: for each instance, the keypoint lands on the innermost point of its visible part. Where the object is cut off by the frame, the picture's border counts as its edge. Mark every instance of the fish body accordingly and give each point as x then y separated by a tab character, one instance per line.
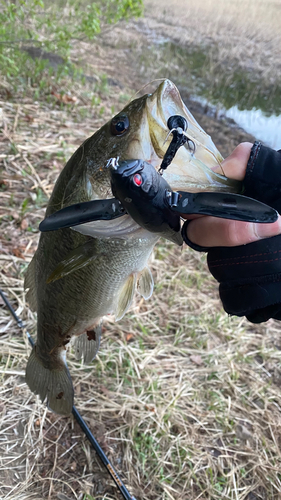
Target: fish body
79	275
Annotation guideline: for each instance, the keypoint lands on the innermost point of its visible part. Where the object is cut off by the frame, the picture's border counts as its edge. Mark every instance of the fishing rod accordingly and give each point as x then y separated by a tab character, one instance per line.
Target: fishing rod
99	451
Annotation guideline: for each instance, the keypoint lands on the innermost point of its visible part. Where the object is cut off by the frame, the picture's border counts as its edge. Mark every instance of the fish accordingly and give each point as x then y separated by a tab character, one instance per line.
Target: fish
79	275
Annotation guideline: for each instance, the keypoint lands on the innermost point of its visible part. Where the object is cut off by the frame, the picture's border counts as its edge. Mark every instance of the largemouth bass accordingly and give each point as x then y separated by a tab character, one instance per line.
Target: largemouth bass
79	275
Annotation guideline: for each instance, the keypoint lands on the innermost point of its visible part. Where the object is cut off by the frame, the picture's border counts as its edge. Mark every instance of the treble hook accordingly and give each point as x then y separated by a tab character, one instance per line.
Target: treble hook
177	125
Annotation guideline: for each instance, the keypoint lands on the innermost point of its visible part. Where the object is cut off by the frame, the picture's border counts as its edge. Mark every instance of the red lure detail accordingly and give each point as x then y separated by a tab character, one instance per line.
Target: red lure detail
137	179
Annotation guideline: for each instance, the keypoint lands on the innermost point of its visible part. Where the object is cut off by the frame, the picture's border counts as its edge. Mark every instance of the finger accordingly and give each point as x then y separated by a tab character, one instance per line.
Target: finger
234	166
191	216
213	232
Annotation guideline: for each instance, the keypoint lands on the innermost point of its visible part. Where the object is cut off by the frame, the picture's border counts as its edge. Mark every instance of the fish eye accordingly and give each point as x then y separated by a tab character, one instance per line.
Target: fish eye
119	125
137	180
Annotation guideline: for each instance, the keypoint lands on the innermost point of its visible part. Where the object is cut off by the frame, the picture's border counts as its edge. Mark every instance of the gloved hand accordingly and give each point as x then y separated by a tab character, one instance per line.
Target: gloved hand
249	274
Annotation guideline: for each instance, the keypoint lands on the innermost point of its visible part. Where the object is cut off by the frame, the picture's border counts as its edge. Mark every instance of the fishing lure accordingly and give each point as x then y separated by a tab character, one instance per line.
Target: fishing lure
145	195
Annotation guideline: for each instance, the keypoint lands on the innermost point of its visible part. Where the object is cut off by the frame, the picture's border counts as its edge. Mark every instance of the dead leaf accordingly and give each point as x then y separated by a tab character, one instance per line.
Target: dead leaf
196	359
64	98
150	408
29	118
18	253
104	390
16	390
242	432
24	224
15	215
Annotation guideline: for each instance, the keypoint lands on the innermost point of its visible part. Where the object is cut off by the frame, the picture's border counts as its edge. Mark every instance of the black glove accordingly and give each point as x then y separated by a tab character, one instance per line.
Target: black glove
250	275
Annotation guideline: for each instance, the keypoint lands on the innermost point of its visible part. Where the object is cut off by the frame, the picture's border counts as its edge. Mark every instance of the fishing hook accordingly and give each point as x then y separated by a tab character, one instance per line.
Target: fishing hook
177	125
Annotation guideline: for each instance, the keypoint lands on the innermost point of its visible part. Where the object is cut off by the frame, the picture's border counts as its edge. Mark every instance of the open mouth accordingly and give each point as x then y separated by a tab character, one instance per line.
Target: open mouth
188	155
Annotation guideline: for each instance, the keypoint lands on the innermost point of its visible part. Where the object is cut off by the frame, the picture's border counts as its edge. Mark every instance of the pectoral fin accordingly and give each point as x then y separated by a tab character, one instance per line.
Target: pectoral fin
78	258
145	283
125	297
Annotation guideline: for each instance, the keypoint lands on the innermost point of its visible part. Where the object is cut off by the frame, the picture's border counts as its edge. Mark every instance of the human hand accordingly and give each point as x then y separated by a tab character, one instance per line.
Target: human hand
245	258
207	231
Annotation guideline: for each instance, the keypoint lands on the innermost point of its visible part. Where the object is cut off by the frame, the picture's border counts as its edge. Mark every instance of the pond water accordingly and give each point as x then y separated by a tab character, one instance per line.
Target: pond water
265	128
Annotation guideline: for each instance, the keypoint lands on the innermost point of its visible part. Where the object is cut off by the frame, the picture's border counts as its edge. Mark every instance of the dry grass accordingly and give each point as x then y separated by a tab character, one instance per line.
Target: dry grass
244	30
261	18
185	401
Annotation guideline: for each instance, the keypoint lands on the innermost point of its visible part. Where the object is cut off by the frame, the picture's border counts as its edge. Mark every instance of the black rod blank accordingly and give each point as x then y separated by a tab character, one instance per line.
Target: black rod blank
102	455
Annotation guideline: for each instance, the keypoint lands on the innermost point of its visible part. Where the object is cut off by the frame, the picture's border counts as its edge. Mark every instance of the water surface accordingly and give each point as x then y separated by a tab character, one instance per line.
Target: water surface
265	128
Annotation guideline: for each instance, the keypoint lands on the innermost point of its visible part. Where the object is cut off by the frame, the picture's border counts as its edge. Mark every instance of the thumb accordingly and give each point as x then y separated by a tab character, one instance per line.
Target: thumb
213	232
235	165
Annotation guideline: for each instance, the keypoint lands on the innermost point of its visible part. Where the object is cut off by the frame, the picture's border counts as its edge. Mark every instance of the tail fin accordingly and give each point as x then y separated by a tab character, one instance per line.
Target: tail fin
55	385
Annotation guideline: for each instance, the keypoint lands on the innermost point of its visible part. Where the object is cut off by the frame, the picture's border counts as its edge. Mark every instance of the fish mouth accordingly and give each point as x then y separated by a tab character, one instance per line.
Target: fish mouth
191	168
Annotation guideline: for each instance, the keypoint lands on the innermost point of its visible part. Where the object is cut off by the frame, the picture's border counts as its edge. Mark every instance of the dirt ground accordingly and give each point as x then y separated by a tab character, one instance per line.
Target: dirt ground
186	393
